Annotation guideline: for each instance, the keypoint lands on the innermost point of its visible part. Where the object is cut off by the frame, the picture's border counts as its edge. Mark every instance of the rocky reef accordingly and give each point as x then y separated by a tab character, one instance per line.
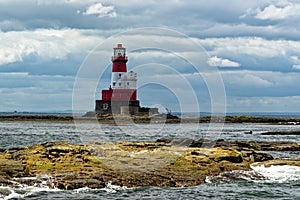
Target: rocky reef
166	162
145	118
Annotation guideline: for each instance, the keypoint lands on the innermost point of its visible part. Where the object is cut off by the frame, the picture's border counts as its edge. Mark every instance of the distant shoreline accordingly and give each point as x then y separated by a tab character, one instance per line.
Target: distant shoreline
185	114
109	119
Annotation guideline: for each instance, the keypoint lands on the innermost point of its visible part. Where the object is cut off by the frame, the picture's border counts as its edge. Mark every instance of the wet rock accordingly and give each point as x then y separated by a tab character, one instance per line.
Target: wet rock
3	179
281	133
4	192
260	157
12	168
166	162
181	142
230	158
235	176
268	163
90	114
165	140
197	153
48	144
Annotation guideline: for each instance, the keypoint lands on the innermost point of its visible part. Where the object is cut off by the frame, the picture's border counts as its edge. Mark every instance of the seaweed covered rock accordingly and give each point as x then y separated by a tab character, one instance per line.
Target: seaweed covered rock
166	162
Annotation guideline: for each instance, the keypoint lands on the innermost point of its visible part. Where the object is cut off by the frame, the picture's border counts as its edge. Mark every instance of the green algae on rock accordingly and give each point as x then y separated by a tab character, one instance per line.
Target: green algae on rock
130	164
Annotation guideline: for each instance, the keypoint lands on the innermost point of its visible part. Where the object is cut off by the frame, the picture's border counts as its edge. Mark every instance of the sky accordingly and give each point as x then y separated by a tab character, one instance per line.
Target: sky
253	46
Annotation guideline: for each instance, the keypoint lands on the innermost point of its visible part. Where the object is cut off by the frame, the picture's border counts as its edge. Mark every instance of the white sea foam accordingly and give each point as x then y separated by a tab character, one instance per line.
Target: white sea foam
274	173
113	188
12	193
82	190
43	184
278	173
110	188
24	191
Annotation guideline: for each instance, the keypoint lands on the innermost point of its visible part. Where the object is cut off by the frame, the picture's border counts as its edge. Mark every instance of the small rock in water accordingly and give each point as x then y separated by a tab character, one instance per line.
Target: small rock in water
4	192
260	157
235	176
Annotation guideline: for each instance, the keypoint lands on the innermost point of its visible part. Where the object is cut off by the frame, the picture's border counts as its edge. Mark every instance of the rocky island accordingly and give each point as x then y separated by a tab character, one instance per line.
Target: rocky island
165	162
144	118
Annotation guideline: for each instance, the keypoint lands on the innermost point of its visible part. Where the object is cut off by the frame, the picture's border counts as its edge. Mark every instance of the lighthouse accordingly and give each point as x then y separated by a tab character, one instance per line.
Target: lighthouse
121	97
123	84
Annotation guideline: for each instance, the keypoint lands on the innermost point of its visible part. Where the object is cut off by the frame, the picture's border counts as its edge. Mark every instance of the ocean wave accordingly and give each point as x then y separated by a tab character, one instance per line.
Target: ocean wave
278	173
272	174
110	188
43	183
12	193
235	176
21	189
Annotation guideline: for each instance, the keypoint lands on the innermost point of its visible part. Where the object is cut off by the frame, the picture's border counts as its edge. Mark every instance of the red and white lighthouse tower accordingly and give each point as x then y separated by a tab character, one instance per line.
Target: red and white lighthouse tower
121	97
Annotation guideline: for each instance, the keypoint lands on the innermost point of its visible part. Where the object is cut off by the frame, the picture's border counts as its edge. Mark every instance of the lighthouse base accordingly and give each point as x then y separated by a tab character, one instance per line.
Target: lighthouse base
117	107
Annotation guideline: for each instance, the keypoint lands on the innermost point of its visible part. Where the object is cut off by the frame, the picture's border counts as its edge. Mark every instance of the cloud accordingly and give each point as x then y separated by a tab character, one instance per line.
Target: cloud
6	56
100	10
255	53
246	83
296	67
11	25
254	46
45	44
45	14
263	104
25	92
295	59
273	12
58	2
221	62
260	38
247	79
241	86
204	19
296	62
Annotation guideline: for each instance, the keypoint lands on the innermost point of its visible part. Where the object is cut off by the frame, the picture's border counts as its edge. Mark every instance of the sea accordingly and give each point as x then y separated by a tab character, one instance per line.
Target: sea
280	182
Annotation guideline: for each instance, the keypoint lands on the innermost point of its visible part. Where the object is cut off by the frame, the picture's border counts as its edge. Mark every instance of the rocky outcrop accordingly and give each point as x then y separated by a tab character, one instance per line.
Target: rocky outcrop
166	162
248	145
146	118
296	132
293	162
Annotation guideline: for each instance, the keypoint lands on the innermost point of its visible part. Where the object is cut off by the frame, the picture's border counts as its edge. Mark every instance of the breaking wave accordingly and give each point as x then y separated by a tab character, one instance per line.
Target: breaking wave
44	184
110	188
272	174
279	173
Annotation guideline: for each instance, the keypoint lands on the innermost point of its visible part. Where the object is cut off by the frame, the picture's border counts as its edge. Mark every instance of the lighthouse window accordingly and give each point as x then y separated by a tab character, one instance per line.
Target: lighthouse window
114	83
119	84
127	83
120	75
